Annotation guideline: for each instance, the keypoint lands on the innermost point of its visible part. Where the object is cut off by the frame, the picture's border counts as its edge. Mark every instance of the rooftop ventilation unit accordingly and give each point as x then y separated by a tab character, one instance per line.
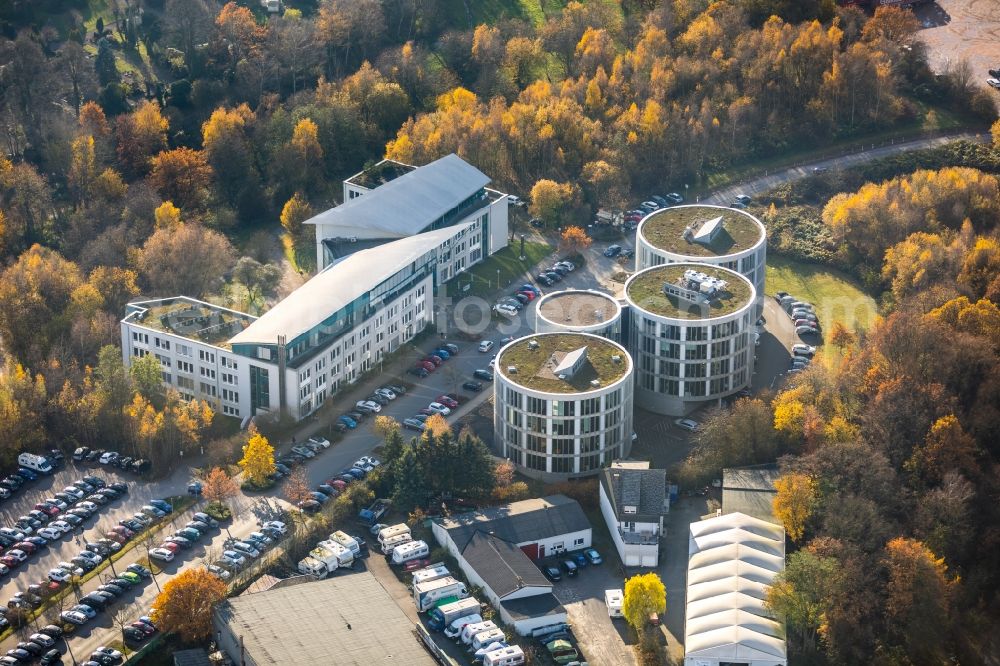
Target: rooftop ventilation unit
563	377
532	344
511	369
616	358
595	382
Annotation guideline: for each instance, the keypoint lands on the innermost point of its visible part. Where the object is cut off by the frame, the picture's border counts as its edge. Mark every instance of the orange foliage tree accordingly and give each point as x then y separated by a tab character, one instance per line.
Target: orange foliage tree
185	605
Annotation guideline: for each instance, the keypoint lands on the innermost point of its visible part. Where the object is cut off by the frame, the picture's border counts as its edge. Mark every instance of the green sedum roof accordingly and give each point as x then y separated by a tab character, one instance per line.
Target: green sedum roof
534	364
664	230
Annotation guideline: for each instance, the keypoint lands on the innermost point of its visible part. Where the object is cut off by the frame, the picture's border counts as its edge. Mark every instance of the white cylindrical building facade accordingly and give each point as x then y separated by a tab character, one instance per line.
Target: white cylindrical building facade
714	235
690	332
579	311
563	404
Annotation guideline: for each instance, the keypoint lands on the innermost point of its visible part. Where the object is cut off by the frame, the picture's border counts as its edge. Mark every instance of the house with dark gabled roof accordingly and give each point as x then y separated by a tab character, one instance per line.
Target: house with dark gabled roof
634	502
496	549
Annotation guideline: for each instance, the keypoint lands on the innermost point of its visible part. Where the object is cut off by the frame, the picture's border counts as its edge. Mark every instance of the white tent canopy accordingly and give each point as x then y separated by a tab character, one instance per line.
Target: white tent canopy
732	561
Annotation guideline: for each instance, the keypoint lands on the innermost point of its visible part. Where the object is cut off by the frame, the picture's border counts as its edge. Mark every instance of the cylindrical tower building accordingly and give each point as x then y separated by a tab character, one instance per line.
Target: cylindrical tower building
579	311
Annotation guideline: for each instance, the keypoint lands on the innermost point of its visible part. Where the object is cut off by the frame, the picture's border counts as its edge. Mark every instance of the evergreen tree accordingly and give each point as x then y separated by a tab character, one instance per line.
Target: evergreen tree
104	63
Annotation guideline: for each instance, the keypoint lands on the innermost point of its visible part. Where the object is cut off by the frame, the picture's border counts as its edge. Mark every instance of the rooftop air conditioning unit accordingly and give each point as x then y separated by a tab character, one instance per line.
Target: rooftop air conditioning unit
595	382
532	344
562	376
511	369
616	358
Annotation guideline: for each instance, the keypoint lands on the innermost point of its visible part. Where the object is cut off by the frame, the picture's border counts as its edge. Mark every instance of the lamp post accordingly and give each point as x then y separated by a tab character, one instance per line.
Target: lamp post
522	257
498	278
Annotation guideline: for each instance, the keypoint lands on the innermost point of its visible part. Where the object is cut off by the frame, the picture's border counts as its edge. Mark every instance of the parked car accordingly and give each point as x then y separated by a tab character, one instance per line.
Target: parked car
687	424
475	387
800	349
569	566
613	251
447	401
438	408
368	406
552	573
162	554
593	556
485	346
483	374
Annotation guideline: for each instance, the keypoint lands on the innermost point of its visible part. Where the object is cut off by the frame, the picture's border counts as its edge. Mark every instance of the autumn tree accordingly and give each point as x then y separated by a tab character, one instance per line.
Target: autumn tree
644	595
995	133
793	503
147	376
140	135
296	211
841	337
83	168
296	487
167	216
551	200
189	260
436	425
385	426
801	595
227	149
182	176
743	435
947	448
308	153
218	486
574	240
258	459
237	26
918	598
186	603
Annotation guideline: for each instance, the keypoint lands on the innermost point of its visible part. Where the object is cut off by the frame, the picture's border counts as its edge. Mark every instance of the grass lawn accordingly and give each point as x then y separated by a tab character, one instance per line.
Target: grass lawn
481	279
302	256
836	296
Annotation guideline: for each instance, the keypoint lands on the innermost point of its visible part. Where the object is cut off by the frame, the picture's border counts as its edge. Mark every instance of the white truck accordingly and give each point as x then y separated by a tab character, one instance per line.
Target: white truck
426	595
430	572
325	558
391	532
347	541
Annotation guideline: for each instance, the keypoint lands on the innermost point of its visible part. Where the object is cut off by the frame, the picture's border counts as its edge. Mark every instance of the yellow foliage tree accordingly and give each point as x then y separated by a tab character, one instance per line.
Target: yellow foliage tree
574	239
186	603
644	594
182	175
168	216
995	131
981	265
981	318
258	458
305	141
549	200
794	502
436	425
385	426
82	168
295	211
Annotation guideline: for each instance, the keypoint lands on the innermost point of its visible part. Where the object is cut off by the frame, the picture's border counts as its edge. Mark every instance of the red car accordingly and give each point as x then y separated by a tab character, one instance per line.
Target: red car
530	295
436	360
124	531
339	484
26	546
144	628
447	401
48	509
413	565
427	365
171	546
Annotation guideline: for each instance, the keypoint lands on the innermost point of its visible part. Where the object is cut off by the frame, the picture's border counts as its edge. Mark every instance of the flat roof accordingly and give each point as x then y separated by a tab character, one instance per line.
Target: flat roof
190	318
348	619
536	356
578	307
339	285
664	229
380	174
407	204
645	290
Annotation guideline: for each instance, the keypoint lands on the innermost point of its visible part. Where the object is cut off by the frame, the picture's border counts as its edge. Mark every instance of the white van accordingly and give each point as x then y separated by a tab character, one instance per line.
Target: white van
431	572
511	655
472	629
392	531
412	550
347	541
614	600
455	628
34	462
484	638
390	544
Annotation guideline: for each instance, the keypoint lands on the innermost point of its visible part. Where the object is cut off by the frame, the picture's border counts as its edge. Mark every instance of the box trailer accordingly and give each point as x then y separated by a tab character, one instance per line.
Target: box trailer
441	616
430	572
390	532
411	550
614	599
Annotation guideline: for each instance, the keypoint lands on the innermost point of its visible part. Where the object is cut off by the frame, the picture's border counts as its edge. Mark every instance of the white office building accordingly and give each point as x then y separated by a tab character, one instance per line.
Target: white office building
690	334
563	404
343	322
714	235
392	200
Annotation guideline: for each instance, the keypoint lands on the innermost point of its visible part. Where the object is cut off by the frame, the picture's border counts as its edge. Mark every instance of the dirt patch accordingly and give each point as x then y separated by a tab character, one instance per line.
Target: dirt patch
958	29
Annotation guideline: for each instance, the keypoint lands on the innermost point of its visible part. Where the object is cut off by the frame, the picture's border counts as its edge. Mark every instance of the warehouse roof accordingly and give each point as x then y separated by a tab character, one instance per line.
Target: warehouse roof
732	561
642	489
407	204
338	286
519	522
349	619
502	565
750	490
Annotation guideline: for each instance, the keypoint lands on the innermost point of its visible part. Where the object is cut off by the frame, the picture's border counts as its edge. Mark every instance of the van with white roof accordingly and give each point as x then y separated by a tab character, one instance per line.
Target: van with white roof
412	550
392	531
430	572
484	638
471	630
35	463
390	544
426	595
512	655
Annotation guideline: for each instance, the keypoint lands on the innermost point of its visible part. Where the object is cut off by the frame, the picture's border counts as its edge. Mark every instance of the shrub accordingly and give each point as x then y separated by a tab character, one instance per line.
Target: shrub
219	511
250	487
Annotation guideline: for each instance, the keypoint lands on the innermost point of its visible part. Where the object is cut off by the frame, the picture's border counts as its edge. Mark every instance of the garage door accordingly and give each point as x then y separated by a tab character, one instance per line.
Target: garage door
531	550
649	560
632	560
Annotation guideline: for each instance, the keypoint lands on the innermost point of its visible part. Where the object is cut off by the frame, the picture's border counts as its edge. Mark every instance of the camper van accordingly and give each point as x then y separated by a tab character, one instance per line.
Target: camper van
614	599
484	638
440	617
455	628
392	531
431	572
35	463
471	630
411	550
511	655
426	595
347	541
390	544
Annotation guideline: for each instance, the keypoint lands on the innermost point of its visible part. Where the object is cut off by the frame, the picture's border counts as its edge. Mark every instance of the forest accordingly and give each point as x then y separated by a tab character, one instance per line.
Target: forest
160	147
